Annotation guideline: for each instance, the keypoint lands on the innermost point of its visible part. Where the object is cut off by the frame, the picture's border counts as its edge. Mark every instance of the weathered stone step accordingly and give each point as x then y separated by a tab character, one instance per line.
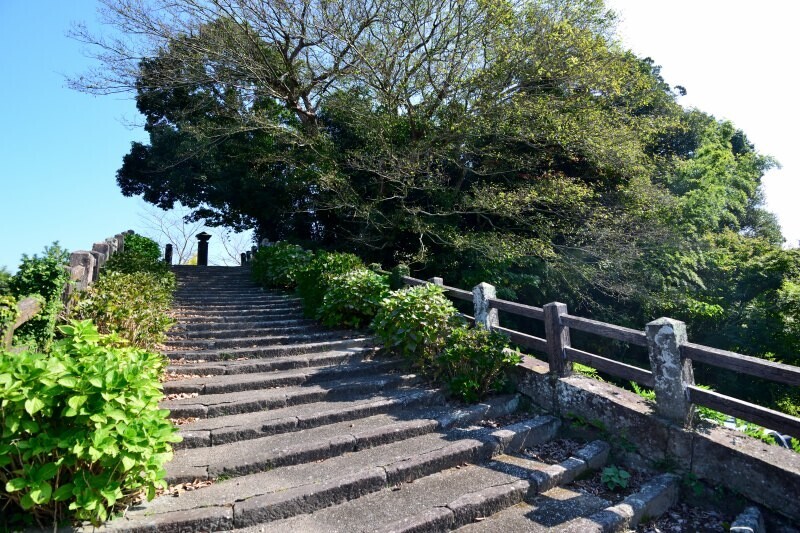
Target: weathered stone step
437	502
288	491
272	379
564	510
271	351
309	360
232	428
239	301
226	331
213	405
225	322
253	342
215	329
204	311
303	446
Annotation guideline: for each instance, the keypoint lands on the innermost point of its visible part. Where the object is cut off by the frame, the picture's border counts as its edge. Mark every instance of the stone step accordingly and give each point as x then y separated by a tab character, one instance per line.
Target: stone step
254	342
231	301
272	379
271	351
309	360
213	405
232	428
439	502
564	510
225	331
204	311
225	322
303	446
288	491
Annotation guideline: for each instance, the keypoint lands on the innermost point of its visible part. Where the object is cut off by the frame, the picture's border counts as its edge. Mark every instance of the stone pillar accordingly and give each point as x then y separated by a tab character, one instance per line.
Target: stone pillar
484	315
87	261
120	241
671	373
99	261
436	281
202	248
557	339
113	246
244	258
168	254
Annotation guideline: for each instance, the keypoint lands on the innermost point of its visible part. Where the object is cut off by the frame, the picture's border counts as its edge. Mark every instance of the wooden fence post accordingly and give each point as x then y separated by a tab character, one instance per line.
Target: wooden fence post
484	314
557	339
672	374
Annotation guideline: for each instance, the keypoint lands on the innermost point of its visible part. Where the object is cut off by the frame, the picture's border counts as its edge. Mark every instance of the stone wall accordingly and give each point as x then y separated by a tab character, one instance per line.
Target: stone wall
767	475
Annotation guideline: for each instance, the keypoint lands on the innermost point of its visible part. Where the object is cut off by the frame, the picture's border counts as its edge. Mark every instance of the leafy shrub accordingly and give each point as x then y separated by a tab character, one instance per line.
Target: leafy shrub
8	313
5	281
314	280
353	298
615	478
276	265
475	362
414	322
139	254
81	430
43	275
132	305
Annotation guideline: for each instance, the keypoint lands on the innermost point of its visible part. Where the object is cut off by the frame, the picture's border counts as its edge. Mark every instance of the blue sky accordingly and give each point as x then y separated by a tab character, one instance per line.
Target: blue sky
60	149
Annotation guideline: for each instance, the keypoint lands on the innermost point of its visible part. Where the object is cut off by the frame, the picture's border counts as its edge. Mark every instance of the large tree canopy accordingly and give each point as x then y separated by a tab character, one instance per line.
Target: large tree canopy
514	142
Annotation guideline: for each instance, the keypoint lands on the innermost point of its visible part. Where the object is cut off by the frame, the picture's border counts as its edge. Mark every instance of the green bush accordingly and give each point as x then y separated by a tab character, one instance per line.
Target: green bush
133	305
414	322
82	434
8	314
475	362
46	276
315	278
139	254
353	298
5	281
276	266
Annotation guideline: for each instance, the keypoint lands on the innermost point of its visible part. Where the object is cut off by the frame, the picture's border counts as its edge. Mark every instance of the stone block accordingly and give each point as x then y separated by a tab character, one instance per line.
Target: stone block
87	261
749	521
767	475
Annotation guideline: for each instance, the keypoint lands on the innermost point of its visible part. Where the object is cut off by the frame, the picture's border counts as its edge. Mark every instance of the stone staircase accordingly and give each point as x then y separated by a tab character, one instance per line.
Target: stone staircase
290	427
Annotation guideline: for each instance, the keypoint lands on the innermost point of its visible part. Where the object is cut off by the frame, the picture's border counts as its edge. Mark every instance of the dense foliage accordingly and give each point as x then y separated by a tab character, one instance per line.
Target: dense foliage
353	298
277	265
82	434
140	254
316	277
133	295
44	276
475	363
8	313
516	143
414	323
132	305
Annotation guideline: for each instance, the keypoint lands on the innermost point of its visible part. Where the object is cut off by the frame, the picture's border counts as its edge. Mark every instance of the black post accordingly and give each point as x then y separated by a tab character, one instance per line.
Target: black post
168	254
202	248
244	258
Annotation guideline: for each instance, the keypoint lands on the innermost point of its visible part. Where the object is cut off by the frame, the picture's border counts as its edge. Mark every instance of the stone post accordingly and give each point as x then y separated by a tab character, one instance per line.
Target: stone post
113	246
168	254
249	255
244	258
484	315
436	281
671	373
87	261
121	241
202	248
104	249
557	339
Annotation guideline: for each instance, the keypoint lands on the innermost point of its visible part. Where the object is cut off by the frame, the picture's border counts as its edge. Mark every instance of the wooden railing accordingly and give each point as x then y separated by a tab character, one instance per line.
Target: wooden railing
670	355
26	309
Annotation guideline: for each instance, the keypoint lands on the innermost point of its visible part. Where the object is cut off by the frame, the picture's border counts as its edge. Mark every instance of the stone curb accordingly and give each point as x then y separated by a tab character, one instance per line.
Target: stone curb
651	501
590	457
749	521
